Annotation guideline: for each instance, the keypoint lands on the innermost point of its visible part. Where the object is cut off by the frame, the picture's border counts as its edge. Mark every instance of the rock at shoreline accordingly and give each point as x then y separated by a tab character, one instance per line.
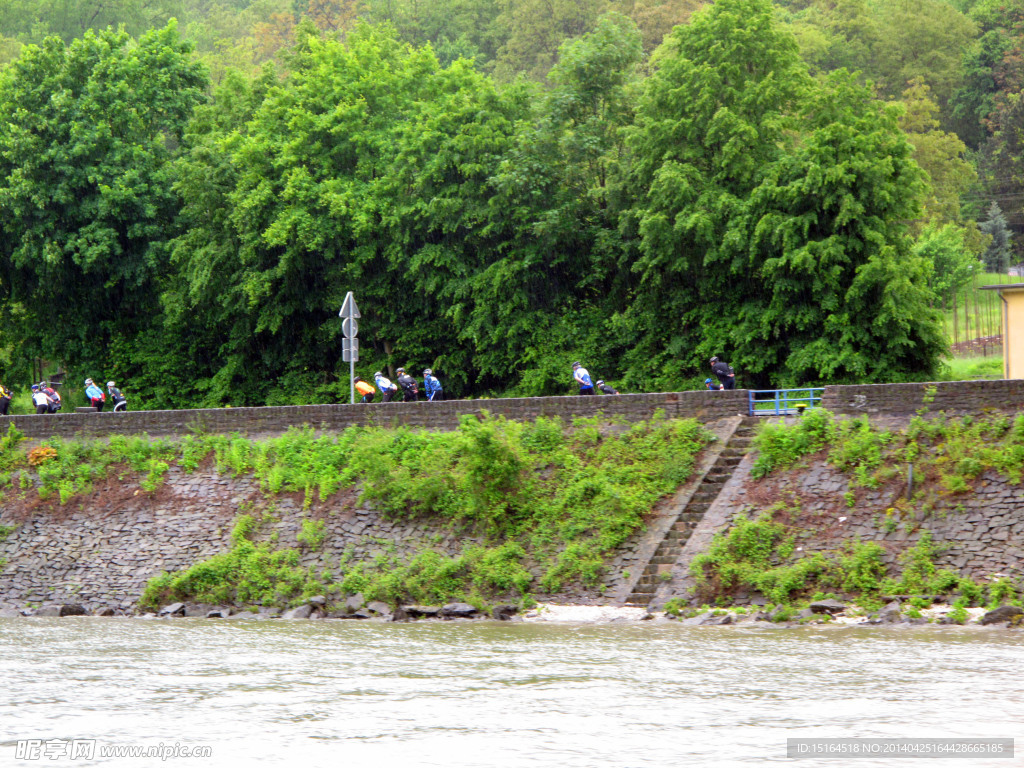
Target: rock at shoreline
890	614
72	609
831	607
399	614
458	611
47	610
1001	614
504	612
174	609
379	607
219	613
318	600
106	610
243	615
355	602
422	611
302	612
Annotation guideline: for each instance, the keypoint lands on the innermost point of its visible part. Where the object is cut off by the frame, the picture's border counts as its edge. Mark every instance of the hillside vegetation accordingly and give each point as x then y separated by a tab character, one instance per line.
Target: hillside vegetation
188	190
552	502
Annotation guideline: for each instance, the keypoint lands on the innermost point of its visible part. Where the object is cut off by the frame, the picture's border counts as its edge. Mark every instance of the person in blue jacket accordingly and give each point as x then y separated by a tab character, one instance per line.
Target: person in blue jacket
431	386
95	395
582	377
388	389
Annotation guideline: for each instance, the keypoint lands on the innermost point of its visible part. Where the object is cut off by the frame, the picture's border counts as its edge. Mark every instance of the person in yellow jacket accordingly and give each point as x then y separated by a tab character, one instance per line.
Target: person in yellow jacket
367	390
5	399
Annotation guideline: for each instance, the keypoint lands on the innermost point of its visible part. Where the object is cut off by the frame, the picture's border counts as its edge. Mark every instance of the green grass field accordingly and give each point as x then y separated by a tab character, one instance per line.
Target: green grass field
967	368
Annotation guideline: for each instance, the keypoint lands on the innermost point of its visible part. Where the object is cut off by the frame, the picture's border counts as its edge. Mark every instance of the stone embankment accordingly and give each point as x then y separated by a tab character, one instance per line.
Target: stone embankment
978	534
100	551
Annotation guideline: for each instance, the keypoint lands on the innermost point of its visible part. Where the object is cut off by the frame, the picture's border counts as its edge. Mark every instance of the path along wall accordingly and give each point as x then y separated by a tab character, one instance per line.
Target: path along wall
705	406
871	399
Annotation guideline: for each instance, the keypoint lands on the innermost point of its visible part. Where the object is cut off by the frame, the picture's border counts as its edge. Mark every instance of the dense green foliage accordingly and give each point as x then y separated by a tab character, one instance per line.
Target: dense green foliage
949	451
759	554
648	195
556	497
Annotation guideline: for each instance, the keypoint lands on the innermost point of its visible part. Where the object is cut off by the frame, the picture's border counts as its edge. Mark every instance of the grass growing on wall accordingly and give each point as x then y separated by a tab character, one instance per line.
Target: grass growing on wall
945	452
759	553
947	456
553	497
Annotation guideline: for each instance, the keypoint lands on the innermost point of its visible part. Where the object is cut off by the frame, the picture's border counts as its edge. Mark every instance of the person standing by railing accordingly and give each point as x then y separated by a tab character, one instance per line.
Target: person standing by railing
5	399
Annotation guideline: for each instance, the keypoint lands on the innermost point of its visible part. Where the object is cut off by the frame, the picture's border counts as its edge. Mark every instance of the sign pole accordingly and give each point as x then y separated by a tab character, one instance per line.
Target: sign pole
350	344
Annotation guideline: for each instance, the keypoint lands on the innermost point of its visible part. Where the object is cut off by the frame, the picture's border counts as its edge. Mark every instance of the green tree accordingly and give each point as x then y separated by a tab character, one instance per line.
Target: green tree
771	215
357	173
536	29
921	38
998	254
545	296
941	155
86	204
953	263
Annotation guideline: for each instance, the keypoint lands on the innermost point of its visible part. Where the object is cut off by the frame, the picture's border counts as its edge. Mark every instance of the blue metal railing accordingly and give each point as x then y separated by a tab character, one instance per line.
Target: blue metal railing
782	402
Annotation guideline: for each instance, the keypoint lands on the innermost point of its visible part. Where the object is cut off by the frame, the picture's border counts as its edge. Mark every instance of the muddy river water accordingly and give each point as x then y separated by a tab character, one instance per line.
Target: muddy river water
620	694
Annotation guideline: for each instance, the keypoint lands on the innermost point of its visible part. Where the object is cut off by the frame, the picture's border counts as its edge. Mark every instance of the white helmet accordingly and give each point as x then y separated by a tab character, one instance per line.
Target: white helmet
110	383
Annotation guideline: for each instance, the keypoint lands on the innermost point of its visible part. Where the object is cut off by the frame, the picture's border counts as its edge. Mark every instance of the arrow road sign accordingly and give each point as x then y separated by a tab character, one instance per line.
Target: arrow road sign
348	307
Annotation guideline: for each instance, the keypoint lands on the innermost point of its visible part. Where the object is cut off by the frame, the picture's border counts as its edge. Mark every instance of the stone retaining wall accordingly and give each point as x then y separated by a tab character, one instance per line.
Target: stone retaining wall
980	533
100	550
906	399
103	554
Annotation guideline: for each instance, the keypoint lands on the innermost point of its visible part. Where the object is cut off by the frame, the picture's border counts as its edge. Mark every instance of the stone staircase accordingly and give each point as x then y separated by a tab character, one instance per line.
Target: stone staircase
707	491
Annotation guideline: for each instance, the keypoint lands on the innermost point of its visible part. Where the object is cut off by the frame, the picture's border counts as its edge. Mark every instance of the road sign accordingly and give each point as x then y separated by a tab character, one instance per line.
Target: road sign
348	307
350	344
350	350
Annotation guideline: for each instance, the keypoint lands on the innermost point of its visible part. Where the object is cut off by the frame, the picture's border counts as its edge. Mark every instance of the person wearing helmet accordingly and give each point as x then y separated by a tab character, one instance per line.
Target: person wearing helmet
410	389
606	389
582	377
119	400
431	386
723	372
709	384
387	388
53	394
41	400
95	395
365	389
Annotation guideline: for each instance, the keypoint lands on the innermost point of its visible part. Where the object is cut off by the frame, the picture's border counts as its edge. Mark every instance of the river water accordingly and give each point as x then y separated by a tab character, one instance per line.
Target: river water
333	693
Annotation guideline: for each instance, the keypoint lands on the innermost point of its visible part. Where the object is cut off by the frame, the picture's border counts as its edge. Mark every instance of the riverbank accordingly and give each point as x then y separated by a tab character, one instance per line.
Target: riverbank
817	613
